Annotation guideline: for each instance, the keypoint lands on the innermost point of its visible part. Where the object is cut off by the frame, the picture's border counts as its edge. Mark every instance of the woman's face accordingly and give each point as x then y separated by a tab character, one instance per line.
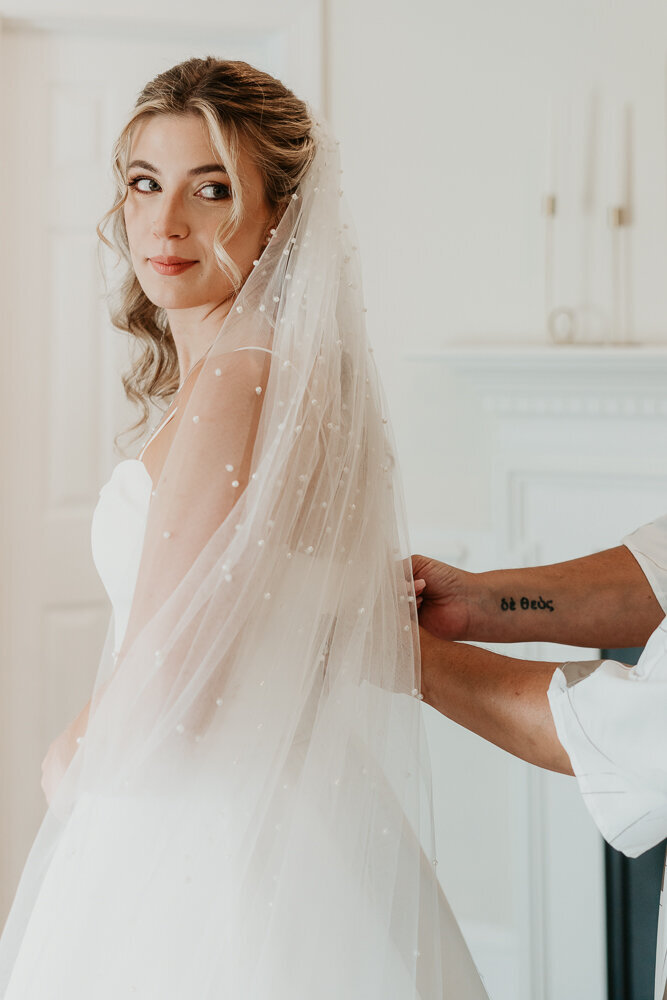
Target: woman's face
178	195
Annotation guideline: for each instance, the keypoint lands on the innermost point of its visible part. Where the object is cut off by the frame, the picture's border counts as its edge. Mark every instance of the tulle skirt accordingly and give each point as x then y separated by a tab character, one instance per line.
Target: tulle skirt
144	898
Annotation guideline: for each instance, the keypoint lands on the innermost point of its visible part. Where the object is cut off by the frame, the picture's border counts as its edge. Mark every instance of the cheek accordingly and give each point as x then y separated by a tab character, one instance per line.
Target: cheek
246	244
130	216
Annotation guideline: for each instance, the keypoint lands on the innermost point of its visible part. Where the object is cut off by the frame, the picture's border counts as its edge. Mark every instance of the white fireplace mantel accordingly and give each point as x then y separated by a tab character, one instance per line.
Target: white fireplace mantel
579	432
547	380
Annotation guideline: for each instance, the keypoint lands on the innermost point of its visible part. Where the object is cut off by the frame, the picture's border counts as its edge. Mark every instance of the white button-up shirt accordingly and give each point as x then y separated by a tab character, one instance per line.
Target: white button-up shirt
612	720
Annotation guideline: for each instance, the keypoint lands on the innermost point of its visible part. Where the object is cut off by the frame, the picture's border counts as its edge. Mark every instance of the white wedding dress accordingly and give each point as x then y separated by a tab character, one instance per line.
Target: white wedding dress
249	815
129	912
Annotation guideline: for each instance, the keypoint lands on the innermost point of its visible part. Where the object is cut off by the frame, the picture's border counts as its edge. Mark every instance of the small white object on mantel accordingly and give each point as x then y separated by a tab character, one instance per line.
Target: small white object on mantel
551	380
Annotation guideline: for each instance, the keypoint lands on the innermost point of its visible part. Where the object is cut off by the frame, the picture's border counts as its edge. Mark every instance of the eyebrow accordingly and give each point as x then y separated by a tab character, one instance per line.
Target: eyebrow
207	168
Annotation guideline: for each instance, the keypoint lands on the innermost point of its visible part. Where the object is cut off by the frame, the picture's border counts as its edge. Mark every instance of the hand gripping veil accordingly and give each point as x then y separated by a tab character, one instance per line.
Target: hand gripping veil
249	814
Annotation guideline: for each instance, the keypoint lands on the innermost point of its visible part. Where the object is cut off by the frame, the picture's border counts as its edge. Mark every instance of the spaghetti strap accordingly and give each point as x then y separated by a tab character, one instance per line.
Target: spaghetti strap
156	432
164	424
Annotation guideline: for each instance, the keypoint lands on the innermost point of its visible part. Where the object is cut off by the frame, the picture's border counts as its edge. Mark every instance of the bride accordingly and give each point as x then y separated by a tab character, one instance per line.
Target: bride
243	809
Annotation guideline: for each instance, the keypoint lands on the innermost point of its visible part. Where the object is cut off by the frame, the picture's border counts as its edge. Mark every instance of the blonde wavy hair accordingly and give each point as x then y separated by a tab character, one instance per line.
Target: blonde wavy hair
238	104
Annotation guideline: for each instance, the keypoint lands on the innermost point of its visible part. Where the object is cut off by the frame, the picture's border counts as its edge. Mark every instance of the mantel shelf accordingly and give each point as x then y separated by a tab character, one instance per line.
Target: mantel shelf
546	379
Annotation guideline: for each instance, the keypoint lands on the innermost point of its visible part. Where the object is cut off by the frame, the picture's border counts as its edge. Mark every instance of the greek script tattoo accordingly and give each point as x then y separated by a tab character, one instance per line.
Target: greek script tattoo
526	604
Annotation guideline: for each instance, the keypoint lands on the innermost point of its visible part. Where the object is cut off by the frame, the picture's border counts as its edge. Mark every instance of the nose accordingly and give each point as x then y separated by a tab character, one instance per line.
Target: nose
170	222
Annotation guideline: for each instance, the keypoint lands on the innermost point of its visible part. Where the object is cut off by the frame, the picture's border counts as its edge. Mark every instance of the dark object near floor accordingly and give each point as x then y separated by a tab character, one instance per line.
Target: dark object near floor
633	894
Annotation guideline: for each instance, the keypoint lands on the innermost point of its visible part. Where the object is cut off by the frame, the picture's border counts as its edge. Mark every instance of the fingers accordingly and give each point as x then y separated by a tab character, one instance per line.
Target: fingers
417	562
423	568
420	586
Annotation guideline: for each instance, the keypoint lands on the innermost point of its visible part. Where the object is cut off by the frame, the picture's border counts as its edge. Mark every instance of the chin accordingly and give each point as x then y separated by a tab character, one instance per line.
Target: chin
169	298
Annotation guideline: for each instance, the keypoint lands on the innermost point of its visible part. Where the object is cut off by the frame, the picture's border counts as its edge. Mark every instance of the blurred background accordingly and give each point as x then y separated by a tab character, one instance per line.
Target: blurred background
506	166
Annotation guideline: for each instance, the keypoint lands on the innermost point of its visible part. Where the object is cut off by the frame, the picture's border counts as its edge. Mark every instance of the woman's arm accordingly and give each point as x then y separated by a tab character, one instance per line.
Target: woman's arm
212	473
600	601
502	699
61	751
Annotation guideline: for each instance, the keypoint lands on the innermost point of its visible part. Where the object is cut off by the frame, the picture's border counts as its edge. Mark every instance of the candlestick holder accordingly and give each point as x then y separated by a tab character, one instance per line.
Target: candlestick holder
549	209
621	276
588	290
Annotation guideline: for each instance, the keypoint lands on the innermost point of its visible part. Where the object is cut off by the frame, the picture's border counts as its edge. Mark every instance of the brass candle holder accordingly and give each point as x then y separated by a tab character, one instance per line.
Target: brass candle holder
621	278
549	210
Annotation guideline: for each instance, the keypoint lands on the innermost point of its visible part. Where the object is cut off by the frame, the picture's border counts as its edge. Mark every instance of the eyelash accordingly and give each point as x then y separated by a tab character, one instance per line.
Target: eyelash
133	184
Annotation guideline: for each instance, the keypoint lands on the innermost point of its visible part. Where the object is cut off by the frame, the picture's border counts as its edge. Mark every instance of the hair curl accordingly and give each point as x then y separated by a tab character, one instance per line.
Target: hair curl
238	104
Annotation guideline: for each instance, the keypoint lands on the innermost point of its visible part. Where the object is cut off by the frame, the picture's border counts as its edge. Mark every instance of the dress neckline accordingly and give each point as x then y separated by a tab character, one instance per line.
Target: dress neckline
137	461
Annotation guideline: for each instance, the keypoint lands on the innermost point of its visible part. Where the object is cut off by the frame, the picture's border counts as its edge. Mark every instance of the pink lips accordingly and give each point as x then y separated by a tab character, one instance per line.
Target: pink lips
171	265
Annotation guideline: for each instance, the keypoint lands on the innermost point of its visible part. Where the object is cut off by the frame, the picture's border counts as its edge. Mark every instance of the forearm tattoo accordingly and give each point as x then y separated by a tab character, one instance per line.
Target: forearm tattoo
526	604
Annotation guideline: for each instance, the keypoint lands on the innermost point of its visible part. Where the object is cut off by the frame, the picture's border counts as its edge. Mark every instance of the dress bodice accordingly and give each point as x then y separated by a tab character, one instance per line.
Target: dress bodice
117	536
119	524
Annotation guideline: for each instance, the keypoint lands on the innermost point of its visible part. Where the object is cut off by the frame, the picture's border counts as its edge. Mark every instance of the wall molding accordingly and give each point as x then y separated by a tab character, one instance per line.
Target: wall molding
548	380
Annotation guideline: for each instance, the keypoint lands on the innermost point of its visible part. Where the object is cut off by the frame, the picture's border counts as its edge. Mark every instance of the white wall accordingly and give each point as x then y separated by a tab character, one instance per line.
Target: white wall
441	110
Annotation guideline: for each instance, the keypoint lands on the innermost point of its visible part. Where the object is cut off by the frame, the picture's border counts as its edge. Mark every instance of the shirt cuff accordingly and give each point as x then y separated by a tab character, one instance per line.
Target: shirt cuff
648	545
629	813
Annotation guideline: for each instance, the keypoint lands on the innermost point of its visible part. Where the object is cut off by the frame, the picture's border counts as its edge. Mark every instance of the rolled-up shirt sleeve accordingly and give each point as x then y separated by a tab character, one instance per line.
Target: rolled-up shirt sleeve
612	721
648	545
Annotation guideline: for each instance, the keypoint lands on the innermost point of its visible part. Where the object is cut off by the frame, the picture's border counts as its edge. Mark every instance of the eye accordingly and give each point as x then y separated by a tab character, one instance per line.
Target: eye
137	181
220	192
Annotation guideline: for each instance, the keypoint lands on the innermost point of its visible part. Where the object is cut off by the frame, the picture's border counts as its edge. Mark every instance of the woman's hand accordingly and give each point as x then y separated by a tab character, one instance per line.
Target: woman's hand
59	755
444	598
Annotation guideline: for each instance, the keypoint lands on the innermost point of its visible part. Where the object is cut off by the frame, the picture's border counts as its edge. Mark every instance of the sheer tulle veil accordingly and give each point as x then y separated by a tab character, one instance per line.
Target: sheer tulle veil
258	750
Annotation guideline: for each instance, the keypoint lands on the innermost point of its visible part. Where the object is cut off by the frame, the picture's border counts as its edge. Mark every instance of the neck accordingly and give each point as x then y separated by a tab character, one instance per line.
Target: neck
195	330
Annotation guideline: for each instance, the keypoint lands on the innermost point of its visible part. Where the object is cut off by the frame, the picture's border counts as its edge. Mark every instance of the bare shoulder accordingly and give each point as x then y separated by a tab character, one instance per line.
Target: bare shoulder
243	369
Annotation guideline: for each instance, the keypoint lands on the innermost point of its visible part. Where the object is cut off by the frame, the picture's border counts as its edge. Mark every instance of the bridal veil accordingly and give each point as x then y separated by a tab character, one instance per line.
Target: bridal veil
250	811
